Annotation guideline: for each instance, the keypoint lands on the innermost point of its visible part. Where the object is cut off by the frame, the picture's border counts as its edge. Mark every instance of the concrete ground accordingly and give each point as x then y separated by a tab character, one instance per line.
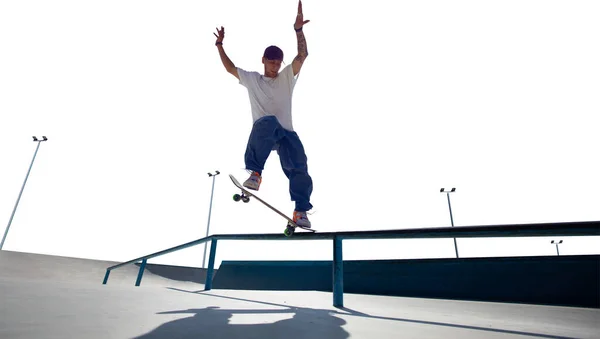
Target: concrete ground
54	297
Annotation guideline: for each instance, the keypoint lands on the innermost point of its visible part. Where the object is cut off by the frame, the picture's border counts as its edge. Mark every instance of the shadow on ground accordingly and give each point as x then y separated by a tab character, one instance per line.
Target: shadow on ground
214	322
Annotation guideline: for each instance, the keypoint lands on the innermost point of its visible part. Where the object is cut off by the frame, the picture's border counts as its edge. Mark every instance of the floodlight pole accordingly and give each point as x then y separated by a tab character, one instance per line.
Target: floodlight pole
35	139
442	190
556	243
209	212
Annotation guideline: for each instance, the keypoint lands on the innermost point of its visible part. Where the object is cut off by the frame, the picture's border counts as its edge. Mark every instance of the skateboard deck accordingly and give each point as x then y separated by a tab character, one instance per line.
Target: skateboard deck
245	197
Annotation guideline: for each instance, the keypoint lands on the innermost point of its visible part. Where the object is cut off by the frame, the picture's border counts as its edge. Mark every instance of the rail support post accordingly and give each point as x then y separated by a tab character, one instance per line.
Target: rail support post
138	281
338	273
211	265
106	276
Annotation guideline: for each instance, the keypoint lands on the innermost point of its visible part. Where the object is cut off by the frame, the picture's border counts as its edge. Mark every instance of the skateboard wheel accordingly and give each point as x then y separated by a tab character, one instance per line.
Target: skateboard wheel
245	199
237	197
288	231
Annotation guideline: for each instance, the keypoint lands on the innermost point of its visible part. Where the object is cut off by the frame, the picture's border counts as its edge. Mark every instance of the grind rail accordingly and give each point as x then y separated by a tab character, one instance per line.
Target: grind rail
586	228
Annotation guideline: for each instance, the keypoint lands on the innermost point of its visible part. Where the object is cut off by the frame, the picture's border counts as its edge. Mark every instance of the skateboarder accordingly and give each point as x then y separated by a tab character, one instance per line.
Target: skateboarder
271	105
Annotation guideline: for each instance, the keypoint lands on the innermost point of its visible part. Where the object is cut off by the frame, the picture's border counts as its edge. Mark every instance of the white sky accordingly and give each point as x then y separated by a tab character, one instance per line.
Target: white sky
397	99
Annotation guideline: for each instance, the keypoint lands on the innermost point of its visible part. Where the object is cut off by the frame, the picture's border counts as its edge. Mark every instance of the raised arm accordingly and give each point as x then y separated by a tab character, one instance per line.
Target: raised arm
302	50
229	66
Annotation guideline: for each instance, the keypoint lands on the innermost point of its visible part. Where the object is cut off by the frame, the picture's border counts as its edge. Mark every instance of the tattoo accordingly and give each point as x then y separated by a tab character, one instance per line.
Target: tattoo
302	51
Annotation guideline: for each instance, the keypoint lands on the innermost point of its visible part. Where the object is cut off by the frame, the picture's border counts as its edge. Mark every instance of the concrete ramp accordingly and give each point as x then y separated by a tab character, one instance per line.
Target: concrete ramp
55	297
39	267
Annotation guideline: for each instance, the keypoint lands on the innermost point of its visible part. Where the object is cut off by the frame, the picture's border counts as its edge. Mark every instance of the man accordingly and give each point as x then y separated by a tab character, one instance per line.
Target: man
271	105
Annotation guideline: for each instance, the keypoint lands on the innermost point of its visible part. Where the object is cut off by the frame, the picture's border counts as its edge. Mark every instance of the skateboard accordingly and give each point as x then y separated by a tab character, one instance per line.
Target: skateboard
245	197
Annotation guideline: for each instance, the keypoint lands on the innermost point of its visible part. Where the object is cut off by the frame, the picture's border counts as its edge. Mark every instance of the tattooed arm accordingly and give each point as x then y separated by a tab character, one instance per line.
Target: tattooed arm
302	53
302	50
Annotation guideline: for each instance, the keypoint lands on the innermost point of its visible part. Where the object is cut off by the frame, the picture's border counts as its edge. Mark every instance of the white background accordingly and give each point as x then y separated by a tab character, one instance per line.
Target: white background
395	101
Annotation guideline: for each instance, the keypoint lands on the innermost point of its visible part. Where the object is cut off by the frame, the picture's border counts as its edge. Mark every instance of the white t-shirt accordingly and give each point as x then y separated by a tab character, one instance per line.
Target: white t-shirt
270	96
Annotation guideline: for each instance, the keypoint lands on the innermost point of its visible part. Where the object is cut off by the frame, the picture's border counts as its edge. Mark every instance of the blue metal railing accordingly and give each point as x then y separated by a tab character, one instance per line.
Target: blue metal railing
586	228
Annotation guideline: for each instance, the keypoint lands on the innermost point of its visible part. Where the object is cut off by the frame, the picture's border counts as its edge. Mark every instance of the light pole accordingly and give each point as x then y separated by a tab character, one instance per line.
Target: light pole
35	139
556	243
209	212
443	190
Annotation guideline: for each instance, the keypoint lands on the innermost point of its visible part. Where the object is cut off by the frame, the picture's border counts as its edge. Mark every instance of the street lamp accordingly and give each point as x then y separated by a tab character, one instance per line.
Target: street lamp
35	139
556	243
209	212
443	190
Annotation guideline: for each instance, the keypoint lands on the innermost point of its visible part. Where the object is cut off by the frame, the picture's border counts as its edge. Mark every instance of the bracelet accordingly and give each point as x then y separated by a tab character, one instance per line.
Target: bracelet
298	30
218	43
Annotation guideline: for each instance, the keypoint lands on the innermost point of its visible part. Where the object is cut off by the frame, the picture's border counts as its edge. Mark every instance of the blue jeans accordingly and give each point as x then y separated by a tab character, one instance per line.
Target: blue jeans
267	135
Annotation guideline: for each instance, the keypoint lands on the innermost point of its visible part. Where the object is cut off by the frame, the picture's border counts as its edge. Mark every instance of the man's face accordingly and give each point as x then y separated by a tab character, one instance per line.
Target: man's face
271	66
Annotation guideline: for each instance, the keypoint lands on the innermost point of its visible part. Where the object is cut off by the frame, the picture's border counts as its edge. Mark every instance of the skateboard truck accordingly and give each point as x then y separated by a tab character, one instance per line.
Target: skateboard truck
242	197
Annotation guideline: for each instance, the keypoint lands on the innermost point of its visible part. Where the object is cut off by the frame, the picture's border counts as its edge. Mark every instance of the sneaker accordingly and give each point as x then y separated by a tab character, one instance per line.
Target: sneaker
301	219
254	181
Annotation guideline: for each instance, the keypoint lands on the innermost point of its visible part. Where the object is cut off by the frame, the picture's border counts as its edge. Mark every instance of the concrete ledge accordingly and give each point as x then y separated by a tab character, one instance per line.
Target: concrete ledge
555	280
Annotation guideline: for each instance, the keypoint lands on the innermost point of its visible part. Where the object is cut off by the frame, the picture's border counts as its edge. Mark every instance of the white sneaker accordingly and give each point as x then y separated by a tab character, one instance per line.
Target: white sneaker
253	182
301	219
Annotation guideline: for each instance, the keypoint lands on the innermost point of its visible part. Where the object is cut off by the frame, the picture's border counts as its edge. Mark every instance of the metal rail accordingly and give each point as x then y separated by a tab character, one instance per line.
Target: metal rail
585	228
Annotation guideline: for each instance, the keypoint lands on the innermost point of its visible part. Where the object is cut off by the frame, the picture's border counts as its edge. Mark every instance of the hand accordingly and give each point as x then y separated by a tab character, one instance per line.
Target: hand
300	17
221	35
